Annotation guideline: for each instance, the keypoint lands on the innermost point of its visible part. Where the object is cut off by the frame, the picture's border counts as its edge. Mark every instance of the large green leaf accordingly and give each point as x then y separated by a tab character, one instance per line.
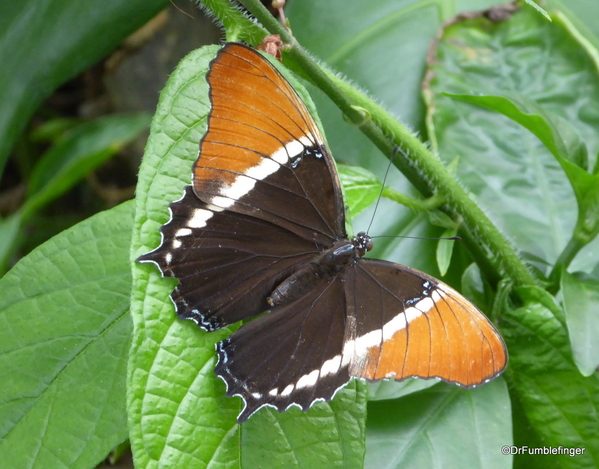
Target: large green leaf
555	133
560	405
564	143
179	415
43	43
523	187
443	426
511	172
64	345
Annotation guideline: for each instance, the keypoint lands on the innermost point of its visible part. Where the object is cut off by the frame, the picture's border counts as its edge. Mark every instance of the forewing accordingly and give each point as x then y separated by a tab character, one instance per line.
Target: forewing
405	323
265	196
227	263
263	154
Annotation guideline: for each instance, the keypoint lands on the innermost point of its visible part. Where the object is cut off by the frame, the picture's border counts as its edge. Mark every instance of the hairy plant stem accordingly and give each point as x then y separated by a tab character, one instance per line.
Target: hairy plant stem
495	256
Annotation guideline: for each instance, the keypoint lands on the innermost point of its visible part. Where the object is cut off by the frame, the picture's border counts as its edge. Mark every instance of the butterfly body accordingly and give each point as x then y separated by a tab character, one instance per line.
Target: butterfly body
262	228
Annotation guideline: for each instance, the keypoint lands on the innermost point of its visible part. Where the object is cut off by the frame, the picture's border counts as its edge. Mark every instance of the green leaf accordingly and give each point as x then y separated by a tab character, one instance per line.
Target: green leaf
175	400
383	390
560	405
581	303
295	439
445	250
43	43
178	413
443	426
567	147
9	232
80	151
361	188
508	169
52	130
64	346
538	8
238	27
560	138
564	143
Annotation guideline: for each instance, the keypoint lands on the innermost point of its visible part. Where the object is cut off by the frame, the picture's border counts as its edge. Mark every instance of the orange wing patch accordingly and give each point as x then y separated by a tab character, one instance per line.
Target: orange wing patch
442	336
257	123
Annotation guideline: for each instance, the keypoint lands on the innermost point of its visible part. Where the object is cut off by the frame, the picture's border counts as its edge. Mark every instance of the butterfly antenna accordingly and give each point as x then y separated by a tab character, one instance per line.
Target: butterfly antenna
395	152
452	238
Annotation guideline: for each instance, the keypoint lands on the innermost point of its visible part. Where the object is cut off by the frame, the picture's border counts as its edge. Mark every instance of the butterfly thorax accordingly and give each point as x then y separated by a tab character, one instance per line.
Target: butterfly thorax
326	264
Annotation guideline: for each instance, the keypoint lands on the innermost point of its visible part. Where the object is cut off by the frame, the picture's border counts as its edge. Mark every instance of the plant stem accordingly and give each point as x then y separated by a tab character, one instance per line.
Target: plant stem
494	254
563	261
415	204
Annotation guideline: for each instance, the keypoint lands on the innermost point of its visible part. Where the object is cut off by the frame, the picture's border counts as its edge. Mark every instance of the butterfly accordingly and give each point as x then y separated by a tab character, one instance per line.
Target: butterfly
261	229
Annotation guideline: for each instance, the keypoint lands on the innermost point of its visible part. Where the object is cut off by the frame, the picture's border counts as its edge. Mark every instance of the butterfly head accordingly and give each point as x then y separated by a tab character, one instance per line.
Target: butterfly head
362	242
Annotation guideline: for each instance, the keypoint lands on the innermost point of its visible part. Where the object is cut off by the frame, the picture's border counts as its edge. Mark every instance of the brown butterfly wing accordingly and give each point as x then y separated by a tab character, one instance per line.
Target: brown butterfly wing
266	203
227	263
263	155
266	197
291	356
